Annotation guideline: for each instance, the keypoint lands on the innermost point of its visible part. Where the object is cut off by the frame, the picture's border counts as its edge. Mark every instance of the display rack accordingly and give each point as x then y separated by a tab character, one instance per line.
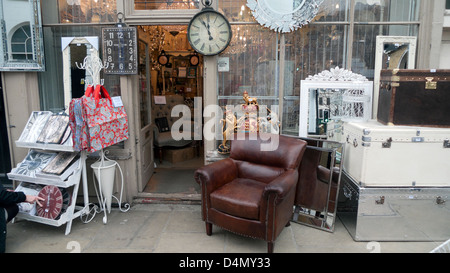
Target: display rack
79	174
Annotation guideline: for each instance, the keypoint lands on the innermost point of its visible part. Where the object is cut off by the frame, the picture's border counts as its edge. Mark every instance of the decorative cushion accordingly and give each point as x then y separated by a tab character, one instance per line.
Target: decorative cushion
240	198
162	124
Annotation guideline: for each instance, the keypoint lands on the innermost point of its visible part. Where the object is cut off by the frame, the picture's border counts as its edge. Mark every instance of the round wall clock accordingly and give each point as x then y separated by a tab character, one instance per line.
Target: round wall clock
163	59
209	31
194	60
52	204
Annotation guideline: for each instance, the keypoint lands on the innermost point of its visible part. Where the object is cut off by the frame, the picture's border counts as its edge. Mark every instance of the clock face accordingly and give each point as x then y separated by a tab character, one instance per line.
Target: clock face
34	163
162	59
52	204
209	32
194	60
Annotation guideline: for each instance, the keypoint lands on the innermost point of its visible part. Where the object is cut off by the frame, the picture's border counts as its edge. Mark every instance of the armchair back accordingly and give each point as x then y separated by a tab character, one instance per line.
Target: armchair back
264	166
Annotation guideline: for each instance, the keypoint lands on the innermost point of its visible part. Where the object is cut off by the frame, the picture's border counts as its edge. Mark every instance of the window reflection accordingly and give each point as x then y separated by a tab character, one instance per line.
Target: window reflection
253	62
386	10
22	44
258	67
165	4
87	11
364	45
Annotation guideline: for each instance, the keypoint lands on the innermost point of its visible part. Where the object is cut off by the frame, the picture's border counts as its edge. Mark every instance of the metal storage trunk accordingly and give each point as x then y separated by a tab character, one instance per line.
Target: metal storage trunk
414	97
394	214
377	155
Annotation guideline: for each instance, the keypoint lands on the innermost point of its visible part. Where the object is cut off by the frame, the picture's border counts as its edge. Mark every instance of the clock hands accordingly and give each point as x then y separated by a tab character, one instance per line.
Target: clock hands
207	28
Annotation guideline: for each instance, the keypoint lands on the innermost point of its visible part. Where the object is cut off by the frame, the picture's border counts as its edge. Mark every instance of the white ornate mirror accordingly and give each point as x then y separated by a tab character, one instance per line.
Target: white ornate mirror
335	94
286	15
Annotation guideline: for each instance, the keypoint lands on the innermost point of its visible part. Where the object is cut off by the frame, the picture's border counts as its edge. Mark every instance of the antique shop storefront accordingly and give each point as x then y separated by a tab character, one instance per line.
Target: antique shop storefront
268	64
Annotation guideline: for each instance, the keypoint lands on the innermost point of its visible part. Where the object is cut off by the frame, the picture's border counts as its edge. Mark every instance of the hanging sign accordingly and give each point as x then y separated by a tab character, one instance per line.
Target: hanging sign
120	50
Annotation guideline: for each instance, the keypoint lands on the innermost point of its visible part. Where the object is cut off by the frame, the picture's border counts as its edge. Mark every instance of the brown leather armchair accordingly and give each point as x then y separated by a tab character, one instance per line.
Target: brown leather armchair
252	192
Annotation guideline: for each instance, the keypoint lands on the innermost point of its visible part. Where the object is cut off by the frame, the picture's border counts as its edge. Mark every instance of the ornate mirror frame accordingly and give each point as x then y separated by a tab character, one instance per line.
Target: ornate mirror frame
24	17
335	79
284	16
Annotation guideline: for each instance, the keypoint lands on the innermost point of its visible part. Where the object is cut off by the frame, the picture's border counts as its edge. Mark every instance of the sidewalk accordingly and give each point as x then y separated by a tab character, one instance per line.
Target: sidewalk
168	228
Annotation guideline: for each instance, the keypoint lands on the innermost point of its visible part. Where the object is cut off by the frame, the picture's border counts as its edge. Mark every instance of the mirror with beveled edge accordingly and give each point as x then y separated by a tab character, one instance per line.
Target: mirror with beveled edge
21	48
318	185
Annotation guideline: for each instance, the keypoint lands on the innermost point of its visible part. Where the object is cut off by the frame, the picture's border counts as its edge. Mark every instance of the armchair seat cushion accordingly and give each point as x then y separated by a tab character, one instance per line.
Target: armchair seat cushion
240	198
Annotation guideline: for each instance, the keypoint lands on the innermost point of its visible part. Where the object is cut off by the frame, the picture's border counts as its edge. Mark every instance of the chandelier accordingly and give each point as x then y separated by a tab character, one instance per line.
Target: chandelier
284	16
177	5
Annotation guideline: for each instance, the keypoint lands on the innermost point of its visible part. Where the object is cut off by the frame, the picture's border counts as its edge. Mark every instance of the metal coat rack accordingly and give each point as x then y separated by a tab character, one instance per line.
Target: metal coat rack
93	66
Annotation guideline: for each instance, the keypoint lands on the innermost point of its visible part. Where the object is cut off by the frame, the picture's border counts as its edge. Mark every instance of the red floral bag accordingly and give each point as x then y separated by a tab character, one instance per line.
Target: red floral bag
107	125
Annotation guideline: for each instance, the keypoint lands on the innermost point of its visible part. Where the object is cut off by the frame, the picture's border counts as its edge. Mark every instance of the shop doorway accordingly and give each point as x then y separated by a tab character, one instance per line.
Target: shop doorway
175	74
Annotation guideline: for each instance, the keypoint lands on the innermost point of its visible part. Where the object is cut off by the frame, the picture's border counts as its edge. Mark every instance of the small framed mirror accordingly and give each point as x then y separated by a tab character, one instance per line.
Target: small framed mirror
318	185
392	52
22	47
74	51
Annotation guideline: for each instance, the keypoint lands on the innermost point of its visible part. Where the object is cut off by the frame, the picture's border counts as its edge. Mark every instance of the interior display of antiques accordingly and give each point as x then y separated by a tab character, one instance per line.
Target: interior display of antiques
318	184
335	94
245	119
414	97
162	114
252	192
176	68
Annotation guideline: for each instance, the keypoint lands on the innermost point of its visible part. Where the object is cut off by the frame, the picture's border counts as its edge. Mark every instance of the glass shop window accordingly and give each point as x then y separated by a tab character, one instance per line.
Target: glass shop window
21	44
386	10
447	4
166	4
270	65
87	11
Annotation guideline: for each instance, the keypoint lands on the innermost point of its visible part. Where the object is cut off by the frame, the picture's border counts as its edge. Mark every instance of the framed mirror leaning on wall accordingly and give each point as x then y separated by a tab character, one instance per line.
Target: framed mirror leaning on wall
318	185
392	52
21	46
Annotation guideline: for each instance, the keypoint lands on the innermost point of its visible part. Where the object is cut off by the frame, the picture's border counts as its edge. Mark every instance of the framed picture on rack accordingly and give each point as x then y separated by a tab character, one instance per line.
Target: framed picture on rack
54	129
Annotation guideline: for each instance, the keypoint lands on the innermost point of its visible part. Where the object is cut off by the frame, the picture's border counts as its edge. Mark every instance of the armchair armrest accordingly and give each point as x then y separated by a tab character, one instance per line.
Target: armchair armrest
216	174
155	130
283	184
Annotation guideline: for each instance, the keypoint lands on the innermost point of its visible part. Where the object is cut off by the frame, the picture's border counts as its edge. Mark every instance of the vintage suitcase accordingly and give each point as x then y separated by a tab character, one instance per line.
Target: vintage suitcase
394	214
377	155
414	97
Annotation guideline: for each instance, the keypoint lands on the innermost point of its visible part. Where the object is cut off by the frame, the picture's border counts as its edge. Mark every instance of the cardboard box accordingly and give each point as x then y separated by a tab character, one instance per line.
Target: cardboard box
175	155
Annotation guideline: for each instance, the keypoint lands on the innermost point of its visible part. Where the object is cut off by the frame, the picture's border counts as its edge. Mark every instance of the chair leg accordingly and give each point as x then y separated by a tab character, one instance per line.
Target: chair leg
270	246
208	228
160	154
